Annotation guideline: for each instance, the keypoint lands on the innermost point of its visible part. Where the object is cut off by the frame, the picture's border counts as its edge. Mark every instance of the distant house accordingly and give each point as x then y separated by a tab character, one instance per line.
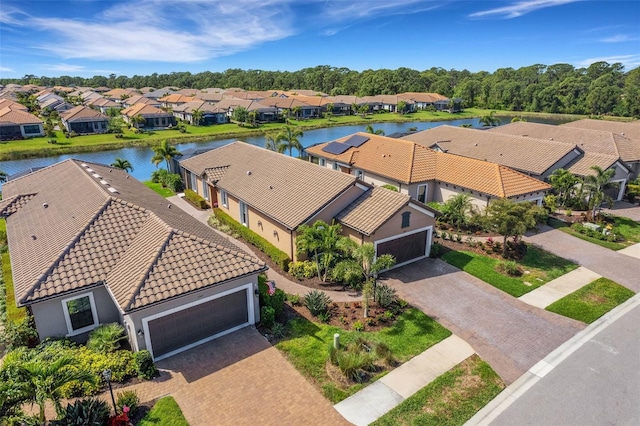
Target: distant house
174	100
425	100
154	118
122	254
246	182
103	104
210	114
263	112
424	174
16	123
84	120
55	104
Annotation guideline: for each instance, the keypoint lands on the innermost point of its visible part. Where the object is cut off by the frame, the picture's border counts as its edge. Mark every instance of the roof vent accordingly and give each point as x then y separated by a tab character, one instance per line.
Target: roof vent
104	182
90	170
270	187
45	205
97	176
550	139
168	206
33	237
112	189
622	133
248	172
84	165
475	144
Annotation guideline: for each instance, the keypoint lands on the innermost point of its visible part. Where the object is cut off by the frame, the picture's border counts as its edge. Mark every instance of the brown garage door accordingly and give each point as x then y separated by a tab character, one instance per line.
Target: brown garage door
405	249
174	331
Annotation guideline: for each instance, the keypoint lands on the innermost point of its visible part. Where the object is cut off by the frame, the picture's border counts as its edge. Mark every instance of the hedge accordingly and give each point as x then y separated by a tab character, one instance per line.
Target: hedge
195	199
279	257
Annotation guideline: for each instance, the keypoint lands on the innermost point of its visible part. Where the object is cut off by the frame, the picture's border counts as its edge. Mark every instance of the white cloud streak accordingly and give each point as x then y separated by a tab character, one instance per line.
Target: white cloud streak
619	38
6	69
76	69
519	8
629	61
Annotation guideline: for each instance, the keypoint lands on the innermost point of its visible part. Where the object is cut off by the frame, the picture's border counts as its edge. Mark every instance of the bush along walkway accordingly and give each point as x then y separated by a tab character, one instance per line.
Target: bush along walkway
375	400
281	281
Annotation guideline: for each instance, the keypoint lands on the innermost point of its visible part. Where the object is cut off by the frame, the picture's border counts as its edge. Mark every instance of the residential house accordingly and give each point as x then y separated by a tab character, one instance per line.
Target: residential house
17	123
84	120
117	95
273	195
103	104
264	113
159	93
425	100
388	103
122	254
174	100
55	104
210	114
422	173
140	99
154	118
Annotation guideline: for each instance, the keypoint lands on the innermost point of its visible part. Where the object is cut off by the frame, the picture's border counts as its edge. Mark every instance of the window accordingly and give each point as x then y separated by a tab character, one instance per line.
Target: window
223	198
205	191
422	193
335	165
406	219
80	314
244	216
31	129
193	181
323	162
360	174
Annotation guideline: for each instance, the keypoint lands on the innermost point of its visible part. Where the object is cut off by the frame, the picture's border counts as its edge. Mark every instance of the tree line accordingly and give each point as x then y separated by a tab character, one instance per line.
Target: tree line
601	88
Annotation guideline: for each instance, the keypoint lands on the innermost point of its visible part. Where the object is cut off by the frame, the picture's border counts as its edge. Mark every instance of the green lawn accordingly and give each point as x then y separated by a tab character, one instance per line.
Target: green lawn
451	399
627	228
307	346
39	147
13	313
591	301
541	265
157	187
165	412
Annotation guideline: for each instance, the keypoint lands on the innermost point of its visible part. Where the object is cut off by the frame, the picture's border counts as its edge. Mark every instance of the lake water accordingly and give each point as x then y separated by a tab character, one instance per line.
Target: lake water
140	157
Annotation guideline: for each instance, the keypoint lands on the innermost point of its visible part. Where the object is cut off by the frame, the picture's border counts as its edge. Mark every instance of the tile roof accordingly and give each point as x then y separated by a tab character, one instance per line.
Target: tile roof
14	105
9	115
581	166
83	113
144	110
60	244
286	189
372	209
176	98
522	153
631	129
214	174
409	162
422	97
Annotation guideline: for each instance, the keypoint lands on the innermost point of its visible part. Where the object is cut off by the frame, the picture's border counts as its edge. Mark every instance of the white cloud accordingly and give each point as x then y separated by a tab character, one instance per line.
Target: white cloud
344	10
629	61
520	8
158	30
6	69
75	69
618	38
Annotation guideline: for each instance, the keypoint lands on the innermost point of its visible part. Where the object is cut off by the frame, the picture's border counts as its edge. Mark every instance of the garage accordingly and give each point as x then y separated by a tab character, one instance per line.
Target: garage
180	329
406	248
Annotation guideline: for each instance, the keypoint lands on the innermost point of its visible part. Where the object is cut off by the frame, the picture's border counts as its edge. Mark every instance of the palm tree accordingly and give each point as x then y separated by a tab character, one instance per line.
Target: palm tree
296	111
596	185
121	163
137	120
196	117
329	113
564	182
3	176
41	378
371	130
490	119
164	152
322	242
289	137
273	145
456	208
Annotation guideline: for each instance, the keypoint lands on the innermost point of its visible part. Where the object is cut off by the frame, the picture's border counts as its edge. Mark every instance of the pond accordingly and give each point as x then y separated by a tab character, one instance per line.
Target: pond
140	157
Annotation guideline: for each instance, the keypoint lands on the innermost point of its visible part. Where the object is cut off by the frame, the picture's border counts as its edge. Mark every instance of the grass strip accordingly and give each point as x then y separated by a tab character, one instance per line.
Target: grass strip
591	301
307	346
165	412
157	187
541	265
451	399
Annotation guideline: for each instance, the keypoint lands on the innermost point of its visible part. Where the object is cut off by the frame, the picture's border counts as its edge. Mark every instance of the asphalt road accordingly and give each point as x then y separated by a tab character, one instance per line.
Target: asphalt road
598	384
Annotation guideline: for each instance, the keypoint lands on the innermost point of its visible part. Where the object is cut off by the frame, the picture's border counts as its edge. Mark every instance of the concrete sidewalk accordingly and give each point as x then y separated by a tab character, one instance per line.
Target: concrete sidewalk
375	400
633	251
281	281
554	290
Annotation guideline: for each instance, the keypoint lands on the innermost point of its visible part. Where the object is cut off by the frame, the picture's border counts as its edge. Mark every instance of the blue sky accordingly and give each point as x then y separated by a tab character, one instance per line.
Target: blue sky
100	37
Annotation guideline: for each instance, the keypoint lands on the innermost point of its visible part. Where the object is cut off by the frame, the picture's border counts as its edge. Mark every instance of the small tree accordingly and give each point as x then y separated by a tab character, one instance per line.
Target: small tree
121	163
490	119
370	129
322	242
274	145
289	136
401	108
196	117
564	183
240	114
457	208
596	185
3	176
511	219
164	152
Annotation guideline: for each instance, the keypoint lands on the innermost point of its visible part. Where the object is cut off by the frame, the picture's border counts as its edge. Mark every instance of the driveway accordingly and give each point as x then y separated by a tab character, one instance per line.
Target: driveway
507	333
616	266
624	209
239	379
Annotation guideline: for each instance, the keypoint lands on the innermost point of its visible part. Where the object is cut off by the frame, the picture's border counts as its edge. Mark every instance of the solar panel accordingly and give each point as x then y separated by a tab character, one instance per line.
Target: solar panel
335	148
356	140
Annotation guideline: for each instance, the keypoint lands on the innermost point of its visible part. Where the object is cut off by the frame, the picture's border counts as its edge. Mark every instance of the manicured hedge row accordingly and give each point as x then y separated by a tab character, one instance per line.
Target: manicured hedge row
195	199
278	256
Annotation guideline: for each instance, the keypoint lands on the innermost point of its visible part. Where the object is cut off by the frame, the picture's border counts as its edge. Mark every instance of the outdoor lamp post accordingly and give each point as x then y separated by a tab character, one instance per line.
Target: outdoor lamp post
106	375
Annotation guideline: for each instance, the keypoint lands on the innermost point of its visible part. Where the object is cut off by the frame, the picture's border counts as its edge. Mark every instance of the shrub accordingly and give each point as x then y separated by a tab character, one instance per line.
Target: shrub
195	199
390	187
385	295
358	326
510	268
294	299
278	330
317	301
129	399
144	364
303	269
384	352
324	316
275	301
16	334
279	257
89	411
352	363
436	250
173	181
106	338
267	316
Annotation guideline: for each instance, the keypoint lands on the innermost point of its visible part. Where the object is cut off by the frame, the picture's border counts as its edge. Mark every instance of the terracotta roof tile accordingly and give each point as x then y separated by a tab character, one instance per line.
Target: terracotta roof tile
372	209
10	115
82	113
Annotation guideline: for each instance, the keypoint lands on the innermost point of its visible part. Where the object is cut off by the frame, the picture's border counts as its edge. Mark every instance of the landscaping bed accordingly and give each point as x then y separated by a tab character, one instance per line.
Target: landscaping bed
591	301
625	232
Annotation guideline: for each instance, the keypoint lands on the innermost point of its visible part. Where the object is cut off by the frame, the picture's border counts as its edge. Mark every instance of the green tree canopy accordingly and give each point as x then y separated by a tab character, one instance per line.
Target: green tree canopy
511	219
121	163
164	152
289	136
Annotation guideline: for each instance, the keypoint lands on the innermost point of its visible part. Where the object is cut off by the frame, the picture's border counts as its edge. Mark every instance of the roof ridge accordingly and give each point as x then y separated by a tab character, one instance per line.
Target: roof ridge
67	248
500	180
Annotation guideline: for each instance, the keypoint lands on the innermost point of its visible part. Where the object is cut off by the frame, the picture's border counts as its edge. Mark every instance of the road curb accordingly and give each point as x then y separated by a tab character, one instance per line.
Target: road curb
509	395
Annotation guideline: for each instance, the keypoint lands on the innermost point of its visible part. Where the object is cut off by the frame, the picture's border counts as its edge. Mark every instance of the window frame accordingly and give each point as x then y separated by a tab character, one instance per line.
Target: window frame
360	174
224	198
244	213
323	162
406	220
335	165
426	189
67	315
30	127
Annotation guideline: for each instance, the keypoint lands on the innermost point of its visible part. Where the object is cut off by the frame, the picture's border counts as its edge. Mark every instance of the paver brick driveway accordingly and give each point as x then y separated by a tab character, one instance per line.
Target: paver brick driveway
240	379
510	335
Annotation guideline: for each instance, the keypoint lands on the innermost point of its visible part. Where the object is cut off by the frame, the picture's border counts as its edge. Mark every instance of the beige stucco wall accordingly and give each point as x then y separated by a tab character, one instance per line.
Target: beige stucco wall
393	227
443	191
337	205
133	321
